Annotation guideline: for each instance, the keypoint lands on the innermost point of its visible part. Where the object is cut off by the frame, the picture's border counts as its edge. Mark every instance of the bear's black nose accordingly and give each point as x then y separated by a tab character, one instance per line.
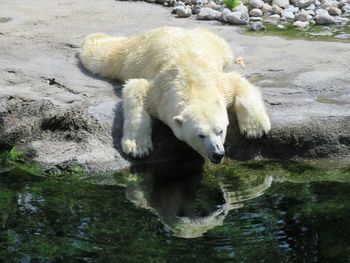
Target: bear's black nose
218	156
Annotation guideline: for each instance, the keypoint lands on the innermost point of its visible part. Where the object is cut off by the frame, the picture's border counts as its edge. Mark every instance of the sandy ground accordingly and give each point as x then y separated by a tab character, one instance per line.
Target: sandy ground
50	105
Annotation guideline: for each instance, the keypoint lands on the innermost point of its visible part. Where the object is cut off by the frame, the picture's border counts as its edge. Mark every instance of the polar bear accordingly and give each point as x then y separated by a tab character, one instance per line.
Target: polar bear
178	76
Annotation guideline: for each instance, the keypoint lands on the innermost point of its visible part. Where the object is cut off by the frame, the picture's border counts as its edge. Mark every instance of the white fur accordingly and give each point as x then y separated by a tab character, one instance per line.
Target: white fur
176	75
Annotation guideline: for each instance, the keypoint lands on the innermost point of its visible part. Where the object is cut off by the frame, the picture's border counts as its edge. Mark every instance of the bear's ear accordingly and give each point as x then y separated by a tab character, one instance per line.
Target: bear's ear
178	120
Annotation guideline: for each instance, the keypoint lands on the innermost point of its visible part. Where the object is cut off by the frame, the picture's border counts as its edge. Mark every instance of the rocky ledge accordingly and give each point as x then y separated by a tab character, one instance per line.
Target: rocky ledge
64	116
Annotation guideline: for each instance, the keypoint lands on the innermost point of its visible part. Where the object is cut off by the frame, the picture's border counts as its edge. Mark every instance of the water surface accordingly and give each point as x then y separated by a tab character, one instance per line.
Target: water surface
236	212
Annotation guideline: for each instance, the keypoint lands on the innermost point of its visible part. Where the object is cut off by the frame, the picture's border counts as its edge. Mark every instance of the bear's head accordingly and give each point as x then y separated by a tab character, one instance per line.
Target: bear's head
204	129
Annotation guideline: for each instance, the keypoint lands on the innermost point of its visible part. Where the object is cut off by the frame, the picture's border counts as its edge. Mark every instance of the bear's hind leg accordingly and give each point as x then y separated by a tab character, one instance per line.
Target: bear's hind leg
137	129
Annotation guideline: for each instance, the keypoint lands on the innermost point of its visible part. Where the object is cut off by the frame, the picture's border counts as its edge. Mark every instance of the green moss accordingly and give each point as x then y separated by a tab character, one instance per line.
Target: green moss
230	4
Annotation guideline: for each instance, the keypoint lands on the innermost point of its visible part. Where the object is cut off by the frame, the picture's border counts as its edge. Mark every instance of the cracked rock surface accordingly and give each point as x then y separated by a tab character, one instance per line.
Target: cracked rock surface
63	115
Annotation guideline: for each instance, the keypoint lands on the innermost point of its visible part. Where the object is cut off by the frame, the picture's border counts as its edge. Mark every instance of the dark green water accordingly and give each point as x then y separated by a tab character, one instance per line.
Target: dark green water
237	212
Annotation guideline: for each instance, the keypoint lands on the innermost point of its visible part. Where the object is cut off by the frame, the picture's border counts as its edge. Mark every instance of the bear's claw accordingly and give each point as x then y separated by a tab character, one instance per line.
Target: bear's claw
137	148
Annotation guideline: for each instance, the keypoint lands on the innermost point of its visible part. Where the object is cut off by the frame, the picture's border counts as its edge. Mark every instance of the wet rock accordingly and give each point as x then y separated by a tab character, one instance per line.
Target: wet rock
301	24
183	11
257	26
237	18
255	12
281	3
334	11
303	16
323	18
255	3
208	14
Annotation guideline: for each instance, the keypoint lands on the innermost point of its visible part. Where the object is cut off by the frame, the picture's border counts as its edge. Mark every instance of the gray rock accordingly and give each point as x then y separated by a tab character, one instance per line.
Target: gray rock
292	8
275	16
240	8
334	11
257	26
256	3
266	8
326	4
311	7
183	11
303	16
302	3
346	8
281	3
255	18
276	10
288	15
311	12
208	14
317	3
342	36
301	24
211	4
255	12
237	18
281	27
224	13
196	9
323	18
180	3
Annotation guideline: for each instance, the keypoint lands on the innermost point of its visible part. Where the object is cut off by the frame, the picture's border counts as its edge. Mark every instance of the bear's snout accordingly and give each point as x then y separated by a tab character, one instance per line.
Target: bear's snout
217	157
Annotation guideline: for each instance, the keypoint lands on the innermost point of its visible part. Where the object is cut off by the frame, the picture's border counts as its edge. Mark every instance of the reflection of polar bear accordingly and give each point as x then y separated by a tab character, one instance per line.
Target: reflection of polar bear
176	75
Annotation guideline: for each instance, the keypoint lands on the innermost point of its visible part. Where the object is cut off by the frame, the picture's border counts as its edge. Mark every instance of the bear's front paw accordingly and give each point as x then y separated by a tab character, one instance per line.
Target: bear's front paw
254	124
137	148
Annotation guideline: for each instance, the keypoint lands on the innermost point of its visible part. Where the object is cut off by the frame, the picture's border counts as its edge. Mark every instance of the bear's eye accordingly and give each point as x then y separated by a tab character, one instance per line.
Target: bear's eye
220	132
202	136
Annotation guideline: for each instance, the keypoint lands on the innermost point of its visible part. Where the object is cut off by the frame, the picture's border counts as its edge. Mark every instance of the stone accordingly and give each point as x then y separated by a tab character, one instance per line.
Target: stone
326	4
276	10
292	9
196	9
281	26
224	13
323	18
257	26
256	3
303	16
342	36
302	3
240	8
211	5
334	11
311	12
237	18
255	19
311	7
281	3
208	14
346	8
255	12
266	8
301	24
183	11
275	16
288	15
